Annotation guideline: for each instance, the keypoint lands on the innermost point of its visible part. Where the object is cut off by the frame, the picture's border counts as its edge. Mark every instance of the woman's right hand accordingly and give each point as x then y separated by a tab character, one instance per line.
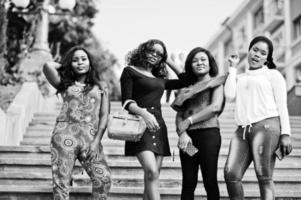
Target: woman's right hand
233	59
151	121
183	141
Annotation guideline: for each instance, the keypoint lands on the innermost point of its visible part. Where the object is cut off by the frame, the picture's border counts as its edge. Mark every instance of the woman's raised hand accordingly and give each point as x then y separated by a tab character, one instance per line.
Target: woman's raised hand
233	59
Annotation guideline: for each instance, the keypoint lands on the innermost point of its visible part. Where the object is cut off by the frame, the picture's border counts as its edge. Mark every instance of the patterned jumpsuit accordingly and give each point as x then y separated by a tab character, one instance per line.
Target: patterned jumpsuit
75	128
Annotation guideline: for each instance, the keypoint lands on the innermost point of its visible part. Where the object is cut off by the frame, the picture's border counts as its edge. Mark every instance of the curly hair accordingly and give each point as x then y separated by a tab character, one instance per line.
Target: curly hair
137	57
191	77
67	75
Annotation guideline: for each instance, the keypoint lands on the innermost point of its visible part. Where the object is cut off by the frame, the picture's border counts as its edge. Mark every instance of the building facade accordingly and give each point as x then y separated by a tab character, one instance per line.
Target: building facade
279	20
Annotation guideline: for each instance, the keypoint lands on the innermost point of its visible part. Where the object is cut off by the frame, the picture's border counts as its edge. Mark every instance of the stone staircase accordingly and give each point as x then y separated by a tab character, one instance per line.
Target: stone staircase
25	171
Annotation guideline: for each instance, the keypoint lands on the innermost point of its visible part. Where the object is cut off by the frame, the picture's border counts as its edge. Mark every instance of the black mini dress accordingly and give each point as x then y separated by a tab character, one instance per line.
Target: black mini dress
147	92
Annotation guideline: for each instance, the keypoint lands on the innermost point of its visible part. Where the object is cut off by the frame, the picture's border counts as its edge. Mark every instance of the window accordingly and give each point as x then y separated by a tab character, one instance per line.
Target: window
298	74
258	18
297	27
278	41
277	6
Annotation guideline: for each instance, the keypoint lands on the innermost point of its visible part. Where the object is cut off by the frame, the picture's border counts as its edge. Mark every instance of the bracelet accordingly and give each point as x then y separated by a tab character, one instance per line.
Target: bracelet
190	120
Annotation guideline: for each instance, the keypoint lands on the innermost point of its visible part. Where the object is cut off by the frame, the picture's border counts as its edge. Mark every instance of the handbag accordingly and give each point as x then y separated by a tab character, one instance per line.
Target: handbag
125	126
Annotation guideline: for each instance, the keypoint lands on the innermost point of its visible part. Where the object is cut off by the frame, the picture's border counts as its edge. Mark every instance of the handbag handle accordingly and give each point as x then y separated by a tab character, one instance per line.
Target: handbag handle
126	103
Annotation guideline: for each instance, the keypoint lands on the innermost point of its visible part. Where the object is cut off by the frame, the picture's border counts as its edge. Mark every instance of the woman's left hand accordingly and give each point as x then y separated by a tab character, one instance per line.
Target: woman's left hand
183	125
285	145
93	151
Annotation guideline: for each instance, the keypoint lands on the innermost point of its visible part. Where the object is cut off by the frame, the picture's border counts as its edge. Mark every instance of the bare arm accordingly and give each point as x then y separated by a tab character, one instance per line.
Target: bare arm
184	138
174	67
206	113
149	118
94	149
179	119
51	73
104	111
213	108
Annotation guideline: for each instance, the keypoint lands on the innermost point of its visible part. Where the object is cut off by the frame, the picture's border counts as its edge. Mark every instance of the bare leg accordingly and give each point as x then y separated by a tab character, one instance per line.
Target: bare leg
151	165
159	164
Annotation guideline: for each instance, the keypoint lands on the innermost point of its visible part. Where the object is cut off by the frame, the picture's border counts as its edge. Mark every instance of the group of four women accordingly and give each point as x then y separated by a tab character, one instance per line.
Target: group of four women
260	113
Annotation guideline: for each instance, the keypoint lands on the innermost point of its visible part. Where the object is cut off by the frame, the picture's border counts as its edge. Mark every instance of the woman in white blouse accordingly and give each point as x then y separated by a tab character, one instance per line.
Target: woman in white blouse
262	118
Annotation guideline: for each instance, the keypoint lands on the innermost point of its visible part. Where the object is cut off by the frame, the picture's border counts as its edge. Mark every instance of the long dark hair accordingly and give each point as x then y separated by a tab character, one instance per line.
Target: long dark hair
137	57
191	77
67	75
270	63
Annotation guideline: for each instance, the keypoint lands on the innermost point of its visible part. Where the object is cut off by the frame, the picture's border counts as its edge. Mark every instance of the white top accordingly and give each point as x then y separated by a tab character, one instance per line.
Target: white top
259	94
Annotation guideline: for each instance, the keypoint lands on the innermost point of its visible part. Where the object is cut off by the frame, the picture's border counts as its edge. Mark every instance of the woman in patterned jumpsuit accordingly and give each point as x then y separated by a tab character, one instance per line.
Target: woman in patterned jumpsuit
81	123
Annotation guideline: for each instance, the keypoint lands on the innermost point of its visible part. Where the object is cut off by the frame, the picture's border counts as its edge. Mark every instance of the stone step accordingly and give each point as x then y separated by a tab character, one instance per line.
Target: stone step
36	176
109	142
45	121
172	135
28	169
117	104
50	120
41	131
124	193
164	107
130	166
168	112
285	182
171	127
225	124
120	158
225	121
112	153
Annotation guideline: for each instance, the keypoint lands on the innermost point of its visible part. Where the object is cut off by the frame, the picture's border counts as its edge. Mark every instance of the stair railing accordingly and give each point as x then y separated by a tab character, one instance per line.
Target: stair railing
13	123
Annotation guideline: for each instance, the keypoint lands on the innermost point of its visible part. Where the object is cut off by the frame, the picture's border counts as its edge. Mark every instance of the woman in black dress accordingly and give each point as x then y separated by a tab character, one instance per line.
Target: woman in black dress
143	82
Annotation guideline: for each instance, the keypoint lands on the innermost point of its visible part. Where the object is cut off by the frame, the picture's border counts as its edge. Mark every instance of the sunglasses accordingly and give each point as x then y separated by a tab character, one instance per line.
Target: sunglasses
156	53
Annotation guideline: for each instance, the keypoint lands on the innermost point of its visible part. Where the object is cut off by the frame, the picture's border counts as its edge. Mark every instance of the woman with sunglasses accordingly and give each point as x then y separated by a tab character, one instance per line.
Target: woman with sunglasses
143	83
